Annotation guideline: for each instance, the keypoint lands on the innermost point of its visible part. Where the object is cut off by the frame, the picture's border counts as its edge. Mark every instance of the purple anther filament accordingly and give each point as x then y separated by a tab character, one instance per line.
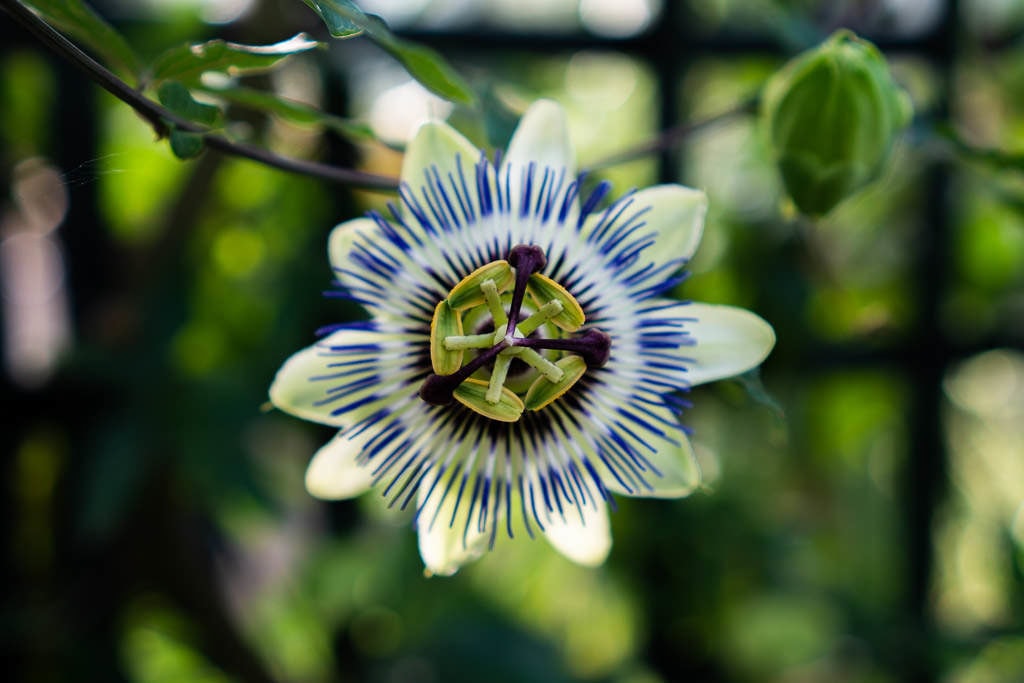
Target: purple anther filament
527	259
437	389
594	346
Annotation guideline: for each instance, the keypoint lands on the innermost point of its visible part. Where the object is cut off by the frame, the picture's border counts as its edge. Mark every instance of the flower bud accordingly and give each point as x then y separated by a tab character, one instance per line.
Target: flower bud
833	113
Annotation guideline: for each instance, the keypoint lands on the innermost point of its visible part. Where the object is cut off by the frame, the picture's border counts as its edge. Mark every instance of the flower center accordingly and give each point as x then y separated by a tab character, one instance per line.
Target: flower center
474	369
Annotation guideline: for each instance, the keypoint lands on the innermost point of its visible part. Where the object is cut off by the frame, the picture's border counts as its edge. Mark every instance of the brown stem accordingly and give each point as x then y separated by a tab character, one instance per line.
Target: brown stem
162	119
673	136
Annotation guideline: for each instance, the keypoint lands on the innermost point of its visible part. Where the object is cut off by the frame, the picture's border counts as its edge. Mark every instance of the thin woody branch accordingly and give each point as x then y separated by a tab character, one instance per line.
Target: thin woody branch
673	136
162	119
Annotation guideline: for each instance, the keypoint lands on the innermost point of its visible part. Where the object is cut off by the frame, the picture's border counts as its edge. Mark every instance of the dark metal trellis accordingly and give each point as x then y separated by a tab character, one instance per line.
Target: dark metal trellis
669	48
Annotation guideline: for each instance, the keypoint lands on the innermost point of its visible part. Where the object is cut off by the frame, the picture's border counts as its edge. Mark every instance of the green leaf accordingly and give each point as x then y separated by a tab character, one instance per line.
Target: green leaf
292	111
345	20
430	69
79	20
186	145
179	100
187	63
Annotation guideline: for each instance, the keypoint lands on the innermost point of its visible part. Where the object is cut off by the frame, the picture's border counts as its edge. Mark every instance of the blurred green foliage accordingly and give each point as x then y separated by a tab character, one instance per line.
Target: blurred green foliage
158	525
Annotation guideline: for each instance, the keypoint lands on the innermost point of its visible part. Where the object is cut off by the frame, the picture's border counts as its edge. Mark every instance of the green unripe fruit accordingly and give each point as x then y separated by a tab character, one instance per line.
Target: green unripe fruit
833	113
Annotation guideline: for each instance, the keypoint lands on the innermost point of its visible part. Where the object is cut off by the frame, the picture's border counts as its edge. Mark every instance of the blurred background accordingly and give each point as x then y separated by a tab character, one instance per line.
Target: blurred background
862	518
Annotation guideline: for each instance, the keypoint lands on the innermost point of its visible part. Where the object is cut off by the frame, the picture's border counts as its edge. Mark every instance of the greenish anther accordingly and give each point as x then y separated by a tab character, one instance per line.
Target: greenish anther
546	313
498	375
470	341
493	300
538	363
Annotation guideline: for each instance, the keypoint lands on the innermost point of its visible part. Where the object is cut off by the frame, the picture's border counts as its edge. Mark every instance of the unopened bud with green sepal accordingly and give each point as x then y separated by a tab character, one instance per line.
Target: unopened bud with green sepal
833	114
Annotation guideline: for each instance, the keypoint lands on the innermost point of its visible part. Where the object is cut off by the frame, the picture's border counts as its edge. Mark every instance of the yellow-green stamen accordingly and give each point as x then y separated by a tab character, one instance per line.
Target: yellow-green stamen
538	341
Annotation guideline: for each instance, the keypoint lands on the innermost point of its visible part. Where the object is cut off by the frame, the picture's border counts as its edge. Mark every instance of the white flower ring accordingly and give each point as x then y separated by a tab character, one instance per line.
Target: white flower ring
520	365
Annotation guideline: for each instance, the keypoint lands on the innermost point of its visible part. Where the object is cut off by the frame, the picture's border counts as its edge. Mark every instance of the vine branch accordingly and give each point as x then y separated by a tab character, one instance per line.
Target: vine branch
162	119
673	136
997	159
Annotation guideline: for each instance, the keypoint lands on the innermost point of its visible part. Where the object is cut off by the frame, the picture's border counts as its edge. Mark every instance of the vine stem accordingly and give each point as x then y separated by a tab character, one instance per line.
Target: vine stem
995	158
162	119
673	136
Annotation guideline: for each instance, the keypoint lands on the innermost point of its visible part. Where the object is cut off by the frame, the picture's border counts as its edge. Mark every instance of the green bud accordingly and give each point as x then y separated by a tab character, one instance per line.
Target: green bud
833	113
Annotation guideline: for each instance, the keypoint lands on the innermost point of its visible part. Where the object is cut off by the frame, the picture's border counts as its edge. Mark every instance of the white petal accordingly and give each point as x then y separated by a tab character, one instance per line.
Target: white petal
656	436
343	237
372	288
446	544
346	376
666	221
676	216
730	341
293	390
542	138
677	465
334	472
587	541
437	145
